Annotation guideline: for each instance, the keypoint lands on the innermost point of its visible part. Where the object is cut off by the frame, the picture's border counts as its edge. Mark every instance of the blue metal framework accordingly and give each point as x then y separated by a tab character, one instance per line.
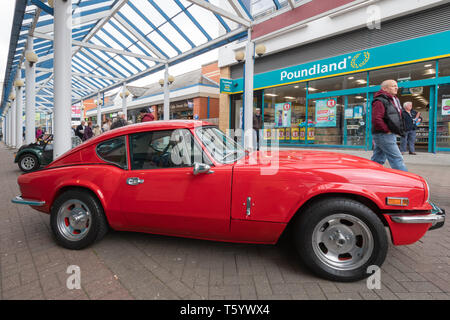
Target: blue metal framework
142	37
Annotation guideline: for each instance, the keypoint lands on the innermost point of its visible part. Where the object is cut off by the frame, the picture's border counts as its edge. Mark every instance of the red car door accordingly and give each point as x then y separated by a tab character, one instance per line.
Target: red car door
162	195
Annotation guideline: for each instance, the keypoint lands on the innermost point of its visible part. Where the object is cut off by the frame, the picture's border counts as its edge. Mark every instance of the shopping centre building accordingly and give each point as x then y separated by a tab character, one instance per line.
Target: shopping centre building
193	95
325	60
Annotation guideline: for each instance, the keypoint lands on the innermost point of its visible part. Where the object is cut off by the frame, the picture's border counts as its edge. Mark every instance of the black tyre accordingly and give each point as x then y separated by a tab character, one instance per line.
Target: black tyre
28	162
77	219
338	239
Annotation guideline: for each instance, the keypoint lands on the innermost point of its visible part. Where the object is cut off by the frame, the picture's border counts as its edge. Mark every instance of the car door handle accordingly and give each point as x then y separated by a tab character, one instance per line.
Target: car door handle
134	181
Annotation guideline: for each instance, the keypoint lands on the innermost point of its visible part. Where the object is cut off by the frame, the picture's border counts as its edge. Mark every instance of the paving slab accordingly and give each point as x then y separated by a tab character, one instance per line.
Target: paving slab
128	265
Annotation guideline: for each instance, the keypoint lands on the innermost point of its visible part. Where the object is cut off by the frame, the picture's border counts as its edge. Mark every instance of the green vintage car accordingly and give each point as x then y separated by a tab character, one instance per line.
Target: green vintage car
32	156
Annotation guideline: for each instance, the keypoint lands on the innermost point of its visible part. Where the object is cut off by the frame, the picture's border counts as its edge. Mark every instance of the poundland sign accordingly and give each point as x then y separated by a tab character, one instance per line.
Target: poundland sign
316	70
410	51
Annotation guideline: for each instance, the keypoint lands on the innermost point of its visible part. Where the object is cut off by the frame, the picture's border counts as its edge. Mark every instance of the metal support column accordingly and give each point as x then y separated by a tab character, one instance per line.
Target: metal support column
99	109
30	97
19	114
13	123
248	93
124	101
62	76
8	126
166	94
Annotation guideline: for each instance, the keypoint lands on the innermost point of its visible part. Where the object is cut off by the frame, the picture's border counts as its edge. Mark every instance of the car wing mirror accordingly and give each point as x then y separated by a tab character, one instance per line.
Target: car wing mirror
202	168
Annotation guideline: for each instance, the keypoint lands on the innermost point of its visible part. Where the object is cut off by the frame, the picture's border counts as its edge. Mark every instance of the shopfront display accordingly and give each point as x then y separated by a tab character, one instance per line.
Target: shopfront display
443	117
328	102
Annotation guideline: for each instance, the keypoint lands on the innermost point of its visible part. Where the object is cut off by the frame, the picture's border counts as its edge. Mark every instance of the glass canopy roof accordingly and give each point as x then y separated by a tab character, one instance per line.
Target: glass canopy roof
119	41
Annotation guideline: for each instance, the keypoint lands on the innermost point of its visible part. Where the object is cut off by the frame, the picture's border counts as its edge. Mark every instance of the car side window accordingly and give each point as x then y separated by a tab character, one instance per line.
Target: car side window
114	151
164	149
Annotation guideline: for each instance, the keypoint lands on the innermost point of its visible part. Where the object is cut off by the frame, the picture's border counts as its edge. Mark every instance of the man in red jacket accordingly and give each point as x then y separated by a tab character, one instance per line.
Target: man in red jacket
146	116
387	123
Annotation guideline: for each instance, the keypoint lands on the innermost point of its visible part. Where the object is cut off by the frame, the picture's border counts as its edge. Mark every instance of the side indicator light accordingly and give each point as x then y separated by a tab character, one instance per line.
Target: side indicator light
399	202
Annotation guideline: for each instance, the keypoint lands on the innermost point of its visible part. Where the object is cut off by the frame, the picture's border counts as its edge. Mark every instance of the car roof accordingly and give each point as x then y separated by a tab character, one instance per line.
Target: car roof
153	125
141	127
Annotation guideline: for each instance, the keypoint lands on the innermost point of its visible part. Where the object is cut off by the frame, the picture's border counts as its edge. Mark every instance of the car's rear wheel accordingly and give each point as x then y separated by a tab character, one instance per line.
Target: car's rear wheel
77	219
338	239
28	162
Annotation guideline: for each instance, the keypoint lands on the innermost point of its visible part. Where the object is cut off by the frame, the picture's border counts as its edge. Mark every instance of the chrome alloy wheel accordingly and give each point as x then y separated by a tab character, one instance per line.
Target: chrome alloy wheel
74	220
28	163
342	241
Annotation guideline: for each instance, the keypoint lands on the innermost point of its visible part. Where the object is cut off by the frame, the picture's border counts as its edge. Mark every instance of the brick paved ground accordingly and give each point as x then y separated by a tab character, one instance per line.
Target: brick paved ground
142	266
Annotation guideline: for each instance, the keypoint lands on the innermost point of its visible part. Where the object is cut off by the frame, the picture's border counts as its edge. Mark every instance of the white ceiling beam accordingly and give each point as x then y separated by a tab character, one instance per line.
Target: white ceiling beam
221	12
207	44
102	64
87	84
119	4
84	44
141	39
91	75
291	4
77	21
238	8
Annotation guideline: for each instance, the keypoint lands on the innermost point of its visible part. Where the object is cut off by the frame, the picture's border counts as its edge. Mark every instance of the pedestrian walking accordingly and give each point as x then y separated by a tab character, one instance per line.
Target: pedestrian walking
411	119
387	123
79	131
39	133
96	130
105	126
88	133
146	116
120	122
257	125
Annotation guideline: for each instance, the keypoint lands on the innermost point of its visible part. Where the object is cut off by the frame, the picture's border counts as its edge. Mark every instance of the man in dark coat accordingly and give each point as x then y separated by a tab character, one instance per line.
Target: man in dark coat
387	123
120	122
146	116
79	131
411	119
257	125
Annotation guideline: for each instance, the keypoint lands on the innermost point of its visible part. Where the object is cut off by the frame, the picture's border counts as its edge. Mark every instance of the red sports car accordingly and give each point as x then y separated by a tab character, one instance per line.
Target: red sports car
188	179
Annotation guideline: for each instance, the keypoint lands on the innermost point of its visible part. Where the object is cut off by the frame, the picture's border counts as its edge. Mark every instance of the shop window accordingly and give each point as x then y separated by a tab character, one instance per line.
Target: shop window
420	99
325	121
355	120
285	113
443	117
444	67
410	72
237	108
356	80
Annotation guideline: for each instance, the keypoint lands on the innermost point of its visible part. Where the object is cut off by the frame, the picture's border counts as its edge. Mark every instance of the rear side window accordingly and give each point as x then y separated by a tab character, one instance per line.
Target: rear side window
113	151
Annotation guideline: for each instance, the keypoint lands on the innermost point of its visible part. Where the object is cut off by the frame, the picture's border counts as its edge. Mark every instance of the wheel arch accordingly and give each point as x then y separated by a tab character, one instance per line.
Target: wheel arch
323	196
25	152
86	189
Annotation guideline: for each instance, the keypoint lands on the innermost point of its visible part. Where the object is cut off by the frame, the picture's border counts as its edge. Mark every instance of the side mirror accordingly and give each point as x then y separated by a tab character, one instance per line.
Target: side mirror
201	168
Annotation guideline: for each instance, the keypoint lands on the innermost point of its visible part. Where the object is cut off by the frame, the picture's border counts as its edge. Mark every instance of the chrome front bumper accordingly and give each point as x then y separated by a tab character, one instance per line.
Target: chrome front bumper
436	218
35	203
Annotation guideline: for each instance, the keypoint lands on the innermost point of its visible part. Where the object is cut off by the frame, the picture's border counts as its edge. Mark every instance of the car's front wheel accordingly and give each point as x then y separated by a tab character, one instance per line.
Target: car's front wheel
339	239
28	162
77	219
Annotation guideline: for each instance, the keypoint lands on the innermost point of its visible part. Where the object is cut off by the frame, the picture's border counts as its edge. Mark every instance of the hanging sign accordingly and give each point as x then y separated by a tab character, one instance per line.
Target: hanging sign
326	113
446	107
283	114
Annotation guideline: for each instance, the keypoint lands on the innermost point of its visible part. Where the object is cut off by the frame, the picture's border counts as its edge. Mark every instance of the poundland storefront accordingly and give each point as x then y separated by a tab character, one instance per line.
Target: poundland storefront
327	103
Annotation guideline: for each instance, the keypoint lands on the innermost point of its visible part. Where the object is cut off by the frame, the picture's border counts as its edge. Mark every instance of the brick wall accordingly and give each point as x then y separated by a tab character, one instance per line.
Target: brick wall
303	12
